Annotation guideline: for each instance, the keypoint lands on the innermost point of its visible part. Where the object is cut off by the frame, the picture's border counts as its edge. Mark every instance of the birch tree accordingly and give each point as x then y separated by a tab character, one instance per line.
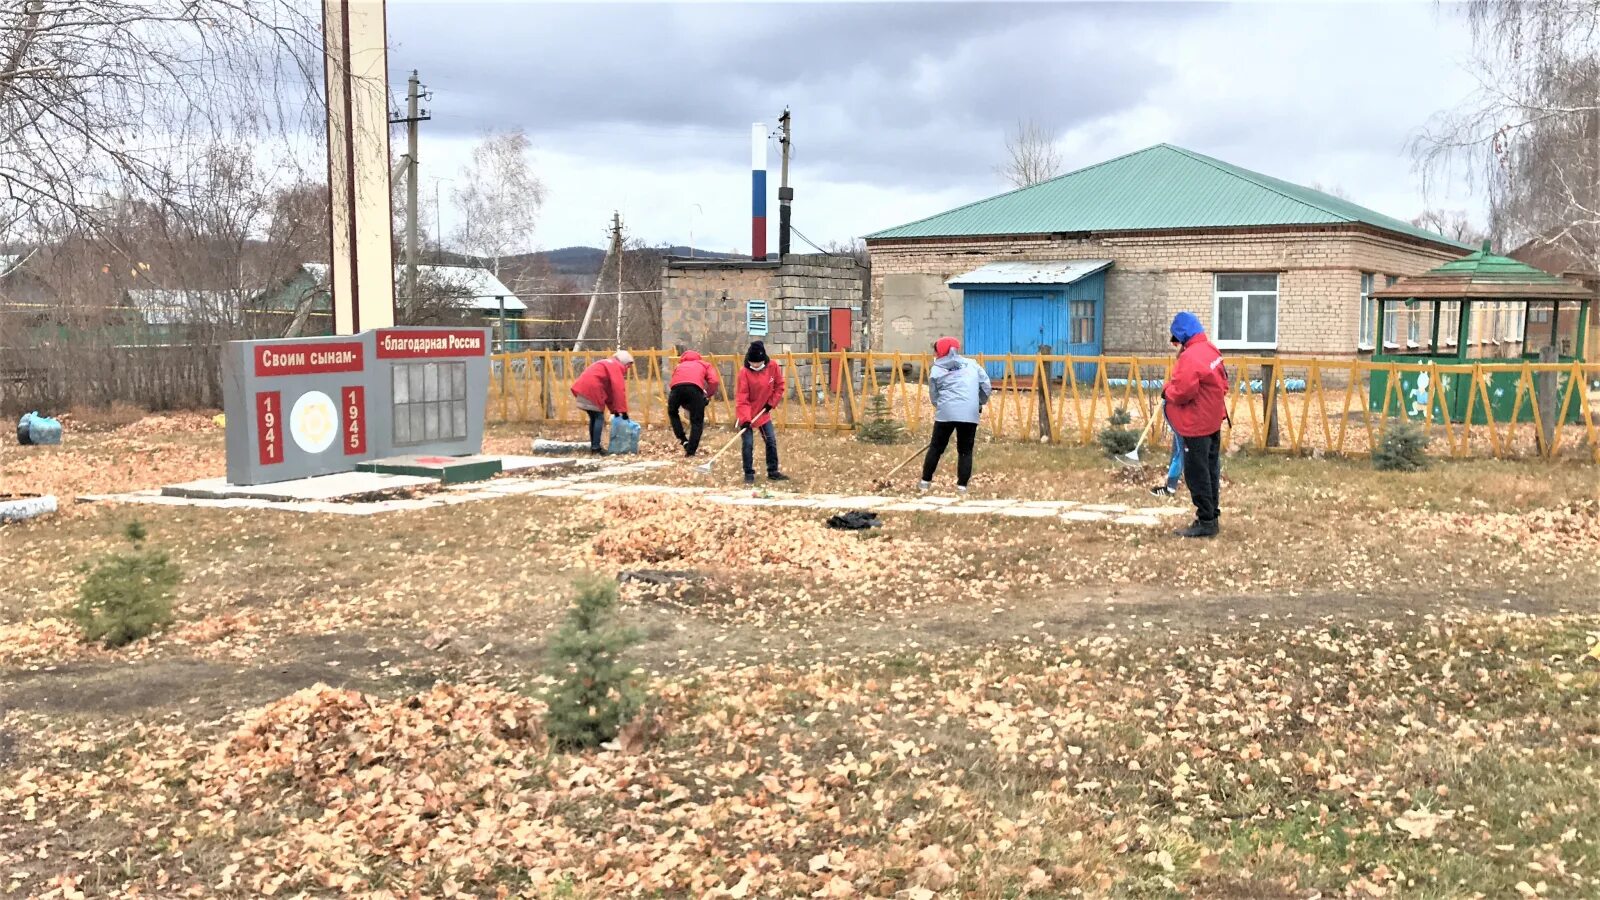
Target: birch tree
113	94
499	199
1530	134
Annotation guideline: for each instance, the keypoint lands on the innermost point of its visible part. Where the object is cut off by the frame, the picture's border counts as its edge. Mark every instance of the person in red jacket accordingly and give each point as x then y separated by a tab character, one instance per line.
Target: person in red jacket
757	392
1196	396
600	388
694	382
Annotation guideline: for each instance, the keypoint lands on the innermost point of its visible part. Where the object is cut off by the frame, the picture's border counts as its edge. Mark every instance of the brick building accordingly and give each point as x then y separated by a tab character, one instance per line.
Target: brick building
804	303
1269	266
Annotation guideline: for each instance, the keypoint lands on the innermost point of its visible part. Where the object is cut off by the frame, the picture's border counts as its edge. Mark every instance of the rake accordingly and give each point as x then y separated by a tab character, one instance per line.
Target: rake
706	468
1131	458
885	483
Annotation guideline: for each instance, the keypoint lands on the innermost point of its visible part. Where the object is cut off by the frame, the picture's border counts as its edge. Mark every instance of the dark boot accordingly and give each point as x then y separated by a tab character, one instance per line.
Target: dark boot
1200	529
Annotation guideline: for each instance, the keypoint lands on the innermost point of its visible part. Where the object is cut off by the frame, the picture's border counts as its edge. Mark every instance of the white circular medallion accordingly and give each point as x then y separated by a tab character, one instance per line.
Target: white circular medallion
314	422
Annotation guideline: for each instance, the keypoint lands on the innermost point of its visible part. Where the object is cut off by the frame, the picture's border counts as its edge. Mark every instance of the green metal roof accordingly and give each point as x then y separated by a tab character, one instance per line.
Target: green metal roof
1158	188
1483	275
1485	266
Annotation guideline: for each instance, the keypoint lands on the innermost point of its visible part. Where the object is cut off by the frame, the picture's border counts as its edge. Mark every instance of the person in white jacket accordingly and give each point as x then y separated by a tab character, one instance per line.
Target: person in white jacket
958	388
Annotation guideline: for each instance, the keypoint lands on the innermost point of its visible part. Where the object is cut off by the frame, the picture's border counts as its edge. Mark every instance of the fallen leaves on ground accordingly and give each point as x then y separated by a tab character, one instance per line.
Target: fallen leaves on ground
1321	759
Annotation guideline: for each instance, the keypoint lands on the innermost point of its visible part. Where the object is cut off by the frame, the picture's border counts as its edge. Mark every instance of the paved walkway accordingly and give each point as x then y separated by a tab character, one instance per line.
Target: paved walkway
593	483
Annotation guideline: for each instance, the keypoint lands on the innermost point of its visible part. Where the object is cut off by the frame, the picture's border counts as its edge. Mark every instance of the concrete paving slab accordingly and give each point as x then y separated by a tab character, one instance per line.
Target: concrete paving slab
988	504
1137	520
964	510
523	464
338	486
1027	512
559	492
862	502
1049	504
909	507
1105	507
1084	515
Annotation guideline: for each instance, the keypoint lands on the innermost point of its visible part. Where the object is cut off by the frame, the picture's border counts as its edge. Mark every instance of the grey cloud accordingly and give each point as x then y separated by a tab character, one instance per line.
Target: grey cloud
897	92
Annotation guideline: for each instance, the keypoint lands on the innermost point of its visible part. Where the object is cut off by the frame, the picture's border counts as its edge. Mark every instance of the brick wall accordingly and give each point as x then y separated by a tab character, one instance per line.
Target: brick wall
703	304
1153	277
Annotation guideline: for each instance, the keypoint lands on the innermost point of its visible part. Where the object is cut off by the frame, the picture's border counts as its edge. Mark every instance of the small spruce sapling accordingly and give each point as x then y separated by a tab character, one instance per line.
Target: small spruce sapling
1403	448
1117	439
880	427
127	596
596	693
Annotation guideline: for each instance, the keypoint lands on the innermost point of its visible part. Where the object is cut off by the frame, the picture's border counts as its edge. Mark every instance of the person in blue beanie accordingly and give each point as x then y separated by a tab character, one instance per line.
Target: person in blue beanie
1196	398
1169	488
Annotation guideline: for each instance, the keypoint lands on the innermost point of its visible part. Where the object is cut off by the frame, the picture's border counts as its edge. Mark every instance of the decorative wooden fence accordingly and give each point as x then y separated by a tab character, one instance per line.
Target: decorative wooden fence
1301	406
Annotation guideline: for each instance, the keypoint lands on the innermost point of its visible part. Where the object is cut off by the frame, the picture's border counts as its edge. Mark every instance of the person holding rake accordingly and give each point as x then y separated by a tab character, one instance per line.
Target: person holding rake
958	389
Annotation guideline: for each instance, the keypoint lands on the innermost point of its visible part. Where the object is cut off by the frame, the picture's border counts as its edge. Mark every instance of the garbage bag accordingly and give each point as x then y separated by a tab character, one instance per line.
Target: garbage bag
624	436
33	428
855	520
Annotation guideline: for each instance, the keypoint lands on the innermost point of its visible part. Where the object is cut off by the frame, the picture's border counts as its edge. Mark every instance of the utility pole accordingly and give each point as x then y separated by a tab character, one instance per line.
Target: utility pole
594	295
412	117
785	193
616	250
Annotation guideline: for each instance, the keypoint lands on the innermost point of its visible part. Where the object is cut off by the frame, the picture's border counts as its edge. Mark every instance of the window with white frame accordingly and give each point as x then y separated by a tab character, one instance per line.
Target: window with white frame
1245	310
1515	324
1413	324
1391	316
1449	323
1369	313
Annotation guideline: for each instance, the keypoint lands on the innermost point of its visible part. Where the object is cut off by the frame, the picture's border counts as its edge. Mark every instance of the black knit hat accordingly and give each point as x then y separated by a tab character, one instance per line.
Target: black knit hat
756	353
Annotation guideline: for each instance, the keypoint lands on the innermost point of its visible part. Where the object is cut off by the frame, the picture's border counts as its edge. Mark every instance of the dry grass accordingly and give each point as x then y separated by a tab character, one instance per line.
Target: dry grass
1320	701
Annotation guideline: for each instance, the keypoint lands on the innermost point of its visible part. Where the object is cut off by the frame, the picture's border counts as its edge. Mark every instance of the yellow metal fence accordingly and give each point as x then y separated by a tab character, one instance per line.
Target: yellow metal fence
1305	406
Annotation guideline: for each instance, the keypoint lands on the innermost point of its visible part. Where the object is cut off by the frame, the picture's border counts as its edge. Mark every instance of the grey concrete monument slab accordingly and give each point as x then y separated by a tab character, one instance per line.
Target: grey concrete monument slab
301	407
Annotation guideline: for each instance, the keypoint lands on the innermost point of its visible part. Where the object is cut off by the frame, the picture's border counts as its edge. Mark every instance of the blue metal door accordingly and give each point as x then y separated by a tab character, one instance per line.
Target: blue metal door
986	326
1030	316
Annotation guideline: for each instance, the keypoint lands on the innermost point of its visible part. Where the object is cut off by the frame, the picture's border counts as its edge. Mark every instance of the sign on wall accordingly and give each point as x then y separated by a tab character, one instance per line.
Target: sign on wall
755	318
315	406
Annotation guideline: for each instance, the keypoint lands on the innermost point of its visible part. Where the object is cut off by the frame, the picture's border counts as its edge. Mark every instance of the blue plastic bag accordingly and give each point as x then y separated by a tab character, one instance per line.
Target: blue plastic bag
624	436
33	428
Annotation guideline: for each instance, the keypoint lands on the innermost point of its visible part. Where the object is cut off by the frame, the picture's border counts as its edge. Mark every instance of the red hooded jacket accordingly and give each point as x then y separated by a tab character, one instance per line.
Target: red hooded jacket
1197	393
753	390
602	384
691	369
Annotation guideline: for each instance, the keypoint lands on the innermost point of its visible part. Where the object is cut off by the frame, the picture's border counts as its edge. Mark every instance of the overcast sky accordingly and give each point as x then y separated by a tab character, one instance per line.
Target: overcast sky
900	109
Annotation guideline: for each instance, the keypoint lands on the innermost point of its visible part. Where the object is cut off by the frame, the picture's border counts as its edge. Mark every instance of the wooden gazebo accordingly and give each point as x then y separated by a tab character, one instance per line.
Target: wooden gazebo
1483	310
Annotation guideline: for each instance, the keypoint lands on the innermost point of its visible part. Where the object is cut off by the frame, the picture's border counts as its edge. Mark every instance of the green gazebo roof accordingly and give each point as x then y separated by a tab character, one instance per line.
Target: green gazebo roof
1483	275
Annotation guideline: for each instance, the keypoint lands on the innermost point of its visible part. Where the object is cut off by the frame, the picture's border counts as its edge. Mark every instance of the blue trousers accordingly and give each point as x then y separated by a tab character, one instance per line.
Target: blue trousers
769	436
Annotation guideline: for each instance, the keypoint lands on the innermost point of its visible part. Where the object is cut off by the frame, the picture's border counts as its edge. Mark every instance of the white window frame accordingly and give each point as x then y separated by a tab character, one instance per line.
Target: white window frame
1367	332
1516	328
1449	323
1217	296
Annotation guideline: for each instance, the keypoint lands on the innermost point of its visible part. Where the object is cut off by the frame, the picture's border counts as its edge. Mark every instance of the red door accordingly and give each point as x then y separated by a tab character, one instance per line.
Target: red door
839	337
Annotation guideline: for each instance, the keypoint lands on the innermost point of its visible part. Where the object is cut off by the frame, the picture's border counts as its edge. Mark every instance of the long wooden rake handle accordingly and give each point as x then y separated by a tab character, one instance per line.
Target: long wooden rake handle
908	459
725	447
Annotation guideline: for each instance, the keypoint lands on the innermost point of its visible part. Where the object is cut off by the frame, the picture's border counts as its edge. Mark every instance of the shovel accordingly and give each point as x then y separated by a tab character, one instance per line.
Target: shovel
1131	458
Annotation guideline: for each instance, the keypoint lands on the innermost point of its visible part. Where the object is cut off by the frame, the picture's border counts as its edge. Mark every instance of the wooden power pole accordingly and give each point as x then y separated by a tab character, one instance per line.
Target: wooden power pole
614	251
411	118
785	193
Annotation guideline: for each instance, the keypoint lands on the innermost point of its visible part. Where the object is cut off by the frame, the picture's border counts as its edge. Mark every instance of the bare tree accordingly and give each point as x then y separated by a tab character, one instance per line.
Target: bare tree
499	199
113	92
1332	190
1031	155
855	248
1452	223
1530	134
